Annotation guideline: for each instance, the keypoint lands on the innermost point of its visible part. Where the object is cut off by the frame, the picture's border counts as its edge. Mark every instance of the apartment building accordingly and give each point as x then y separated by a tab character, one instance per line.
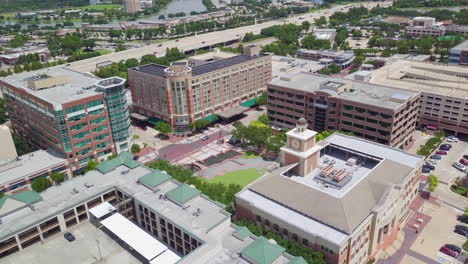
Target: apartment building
344	59
459	54
379	113
83	117
443	88
342	196
425	26
182	94
174	220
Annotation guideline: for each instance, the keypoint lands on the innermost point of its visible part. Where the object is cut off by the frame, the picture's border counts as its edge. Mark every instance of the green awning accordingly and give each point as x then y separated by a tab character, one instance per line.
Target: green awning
210	118
250	103
153	120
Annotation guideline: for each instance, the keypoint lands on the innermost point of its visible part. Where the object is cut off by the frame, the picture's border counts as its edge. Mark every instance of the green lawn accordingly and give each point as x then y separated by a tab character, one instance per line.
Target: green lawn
241	177
101	7
250	155
104	51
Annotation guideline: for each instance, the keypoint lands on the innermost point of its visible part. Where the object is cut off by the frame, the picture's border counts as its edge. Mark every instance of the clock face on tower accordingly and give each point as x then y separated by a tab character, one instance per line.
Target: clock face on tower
296	144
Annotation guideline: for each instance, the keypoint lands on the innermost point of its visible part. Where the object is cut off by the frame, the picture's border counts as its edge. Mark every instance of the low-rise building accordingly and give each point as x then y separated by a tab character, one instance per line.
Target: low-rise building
459	54
344	59
443	88
342	196
424	26
379	113
325	34
160	219
79	115
182	94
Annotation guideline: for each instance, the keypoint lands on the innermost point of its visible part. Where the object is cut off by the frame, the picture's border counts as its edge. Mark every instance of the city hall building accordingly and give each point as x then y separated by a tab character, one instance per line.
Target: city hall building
342	196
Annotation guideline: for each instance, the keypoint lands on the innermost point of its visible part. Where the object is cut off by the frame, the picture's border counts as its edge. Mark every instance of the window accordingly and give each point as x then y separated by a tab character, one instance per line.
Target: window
77	117
98	120
79	126
100	128
295	237
101	137
275	227
259	218
285	232
75	108
305	242
96	112
80	135
94	103
267	222
82	143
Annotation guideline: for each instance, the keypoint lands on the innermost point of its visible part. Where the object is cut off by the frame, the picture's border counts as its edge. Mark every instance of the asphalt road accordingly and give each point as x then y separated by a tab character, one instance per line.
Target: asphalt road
209	39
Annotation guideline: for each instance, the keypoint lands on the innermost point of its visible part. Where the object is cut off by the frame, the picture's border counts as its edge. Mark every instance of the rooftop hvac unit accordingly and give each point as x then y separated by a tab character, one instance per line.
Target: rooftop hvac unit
351	162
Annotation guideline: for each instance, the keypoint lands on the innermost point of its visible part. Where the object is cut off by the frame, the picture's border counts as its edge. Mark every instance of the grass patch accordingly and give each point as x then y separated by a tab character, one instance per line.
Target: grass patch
459	189
258	40
241	177
250	155
104	51
465	246
101	7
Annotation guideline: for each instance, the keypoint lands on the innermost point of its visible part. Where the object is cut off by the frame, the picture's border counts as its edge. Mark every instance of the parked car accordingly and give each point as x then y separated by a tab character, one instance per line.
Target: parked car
160	45
69	236
176	40
431	162
205	138
426	170
445	147
461	227
440	152
429	166
463	218
465	157
453	247
464	162
452	139
462	232
448	251
436	157
459	166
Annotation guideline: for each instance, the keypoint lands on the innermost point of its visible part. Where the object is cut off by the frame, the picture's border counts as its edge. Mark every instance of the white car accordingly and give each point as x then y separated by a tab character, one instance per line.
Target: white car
452	139
459	166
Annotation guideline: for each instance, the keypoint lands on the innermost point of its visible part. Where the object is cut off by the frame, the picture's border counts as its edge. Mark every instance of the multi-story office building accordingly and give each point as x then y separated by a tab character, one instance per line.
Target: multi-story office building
344	59
170	222
424	26
342	196
132	6
378	113
83	117
444	92
181	94
459	54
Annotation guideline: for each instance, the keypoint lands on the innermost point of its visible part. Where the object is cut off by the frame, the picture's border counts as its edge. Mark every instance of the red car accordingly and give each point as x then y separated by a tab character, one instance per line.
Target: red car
464	162
440	152
448	251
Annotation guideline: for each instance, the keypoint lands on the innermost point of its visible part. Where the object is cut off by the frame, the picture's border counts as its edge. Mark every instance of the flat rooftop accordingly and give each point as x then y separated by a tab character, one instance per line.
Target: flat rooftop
73	192
30	163
432	78
282	64
360	92
74	88
323	209
460	47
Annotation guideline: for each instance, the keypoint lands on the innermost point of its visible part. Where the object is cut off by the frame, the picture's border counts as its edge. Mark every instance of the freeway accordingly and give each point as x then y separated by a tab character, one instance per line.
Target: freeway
209	39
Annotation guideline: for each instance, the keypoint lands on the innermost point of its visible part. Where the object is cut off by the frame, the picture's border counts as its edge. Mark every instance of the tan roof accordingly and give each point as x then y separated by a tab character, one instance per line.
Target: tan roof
424	77
345	213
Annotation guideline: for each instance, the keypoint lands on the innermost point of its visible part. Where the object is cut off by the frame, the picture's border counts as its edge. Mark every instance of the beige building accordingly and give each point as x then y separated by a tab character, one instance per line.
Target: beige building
443	88
424	26
8	151
341	196
132	6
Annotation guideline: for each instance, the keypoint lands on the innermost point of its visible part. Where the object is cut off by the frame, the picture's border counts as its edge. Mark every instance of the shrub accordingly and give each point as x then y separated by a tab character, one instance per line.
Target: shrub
40	185
433	182
57	177
135	148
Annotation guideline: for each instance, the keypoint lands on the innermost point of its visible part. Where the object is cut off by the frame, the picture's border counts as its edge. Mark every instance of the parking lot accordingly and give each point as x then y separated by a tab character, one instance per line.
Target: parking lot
444	169
83	250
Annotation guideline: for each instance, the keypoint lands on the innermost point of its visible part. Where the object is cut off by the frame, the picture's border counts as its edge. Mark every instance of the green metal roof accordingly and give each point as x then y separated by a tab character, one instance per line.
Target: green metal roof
124	158
210	118
183	193
450	38
250	103
297	260
153	120
154	178
242	232
261	251
27	197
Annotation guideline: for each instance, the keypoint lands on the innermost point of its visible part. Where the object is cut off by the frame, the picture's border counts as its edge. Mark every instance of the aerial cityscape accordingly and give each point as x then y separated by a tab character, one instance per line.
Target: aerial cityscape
233	131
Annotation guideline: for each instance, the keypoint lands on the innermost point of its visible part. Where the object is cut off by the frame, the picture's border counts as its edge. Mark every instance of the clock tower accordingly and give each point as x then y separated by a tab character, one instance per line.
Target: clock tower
301	149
